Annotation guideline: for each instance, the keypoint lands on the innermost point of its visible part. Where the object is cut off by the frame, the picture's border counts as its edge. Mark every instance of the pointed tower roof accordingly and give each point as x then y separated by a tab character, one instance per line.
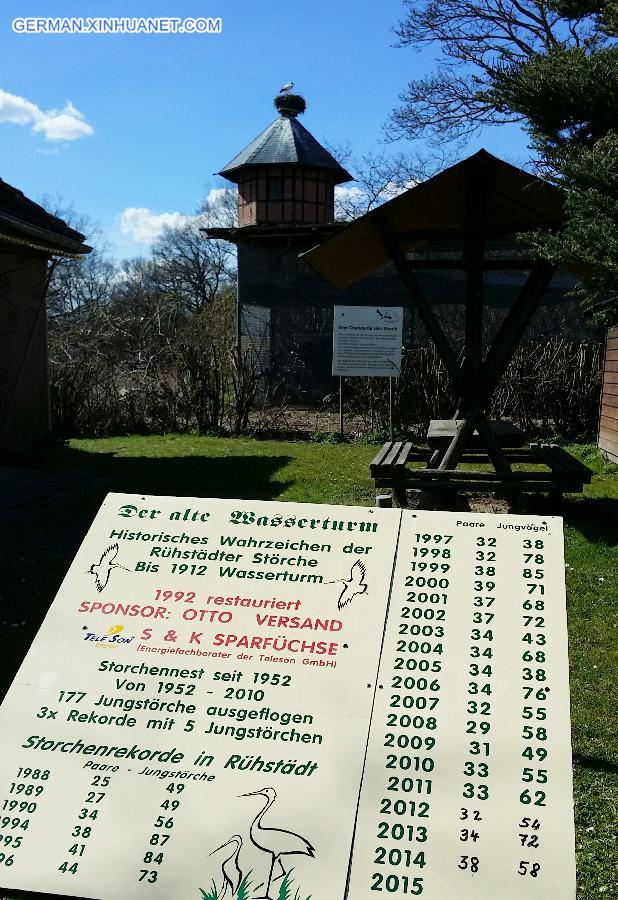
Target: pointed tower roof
286	142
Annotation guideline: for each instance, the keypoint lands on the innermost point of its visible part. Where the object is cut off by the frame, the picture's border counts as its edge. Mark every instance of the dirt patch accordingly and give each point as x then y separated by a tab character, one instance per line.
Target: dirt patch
303	423
459	502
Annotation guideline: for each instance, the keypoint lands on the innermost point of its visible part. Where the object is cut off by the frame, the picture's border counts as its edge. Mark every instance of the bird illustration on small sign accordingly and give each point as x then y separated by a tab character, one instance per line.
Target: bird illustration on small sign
103	569
384	315
230	867
275	841
353	586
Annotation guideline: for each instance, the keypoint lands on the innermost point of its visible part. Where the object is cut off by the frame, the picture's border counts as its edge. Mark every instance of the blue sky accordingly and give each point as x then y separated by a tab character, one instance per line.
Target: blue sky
117	122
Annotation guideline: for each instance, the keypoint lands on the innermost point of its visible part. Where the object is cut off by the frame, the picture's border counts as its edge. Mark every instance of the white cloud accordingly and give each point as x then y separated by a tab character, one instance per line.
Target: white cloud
145	226
344	194
393	189
351	202
217	194
66	124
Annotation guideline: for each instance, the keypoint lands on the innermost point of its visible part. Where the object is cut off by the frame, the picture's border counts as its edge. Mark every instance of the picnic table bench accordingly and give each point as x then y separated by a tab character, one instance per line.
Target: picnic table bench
393	468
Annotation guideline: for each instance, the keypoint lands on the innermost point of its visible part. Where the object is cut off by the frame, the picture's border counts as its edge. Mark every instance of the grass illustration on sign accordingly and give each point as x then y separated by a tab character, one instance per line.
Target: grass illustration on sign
243	892
287	891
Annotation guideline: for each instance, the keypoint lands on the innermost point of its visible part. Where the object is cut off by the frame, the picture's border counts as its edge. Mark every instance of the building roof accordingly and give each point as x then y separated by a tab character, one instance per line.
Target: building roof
285	231
439	209
24	223
285	142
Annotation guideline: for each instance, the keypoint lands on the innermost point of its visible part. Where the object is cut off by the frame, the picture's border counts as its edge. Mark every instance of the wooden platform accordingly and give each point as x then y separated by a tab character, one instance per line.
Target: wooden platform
394	468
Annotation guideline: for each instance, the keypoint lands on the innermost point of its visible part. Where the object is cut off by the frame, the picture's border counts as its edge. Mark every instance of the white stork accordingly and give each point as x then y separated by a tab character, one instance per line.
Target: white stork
275	841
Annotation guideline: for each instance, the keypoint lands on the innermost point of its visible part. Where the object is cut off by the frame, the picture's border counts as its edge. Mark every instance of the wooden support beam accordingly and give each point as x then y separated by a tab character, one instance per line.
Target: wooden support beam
496	454
500	355
461	264
418	300
440	475
457	446
513	327
475	214
444	234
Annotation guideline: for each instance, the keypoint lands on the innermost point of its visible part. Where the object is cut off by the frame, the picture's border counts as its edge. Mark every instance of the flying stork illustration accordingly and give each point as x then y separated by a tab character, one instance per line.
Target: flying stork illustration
230	869
103	569
353	586
275	841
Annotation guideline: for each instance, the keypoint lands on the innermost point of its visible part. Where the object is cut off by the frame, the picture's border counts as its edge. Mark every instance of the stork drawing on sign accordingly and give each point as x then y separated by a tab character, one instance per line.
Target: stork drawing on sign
354	586
103	569
277	842
230	868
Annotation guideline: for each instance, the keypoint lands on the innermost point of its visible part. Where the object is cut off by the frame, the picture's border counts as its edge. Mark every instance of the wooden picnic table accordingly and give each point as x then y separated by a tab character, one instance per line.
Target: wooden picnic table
400	466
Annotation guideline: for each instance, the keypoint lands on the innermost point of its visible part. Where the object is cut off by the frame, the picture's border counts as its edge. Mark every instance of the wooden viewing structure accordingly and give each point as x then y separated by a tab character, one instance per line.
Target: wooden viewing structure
465	218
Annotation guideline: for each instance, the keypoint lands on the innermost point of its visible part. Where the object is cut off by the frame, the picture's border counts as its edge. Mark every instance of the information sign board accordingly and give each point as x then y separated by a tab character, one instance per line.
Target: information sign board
261	700
367	340
204	676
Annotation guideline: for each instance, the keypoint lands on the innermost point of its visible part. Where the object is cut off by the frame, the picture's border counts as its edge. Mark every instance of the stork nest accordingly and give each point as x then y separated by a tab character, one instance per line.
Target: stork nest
290	103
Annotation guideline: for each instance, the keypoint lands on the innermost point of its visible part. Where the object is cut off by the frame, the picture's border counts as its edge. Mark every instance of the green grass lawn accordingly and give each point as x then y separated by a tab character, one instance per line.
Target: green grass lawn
338	473
227	467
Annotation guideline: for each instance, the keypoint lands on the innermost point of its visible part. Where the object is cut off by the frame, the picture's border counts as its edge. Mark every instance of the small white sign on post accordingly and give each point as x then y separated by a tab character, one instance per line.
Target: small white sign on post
367	340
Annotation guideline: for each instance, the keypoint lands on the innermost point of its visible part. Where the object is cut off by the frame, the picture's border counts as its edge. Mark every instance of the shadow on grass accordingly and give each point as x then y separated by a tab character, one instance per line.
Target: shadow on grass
245	477
595	518
594	763
51	500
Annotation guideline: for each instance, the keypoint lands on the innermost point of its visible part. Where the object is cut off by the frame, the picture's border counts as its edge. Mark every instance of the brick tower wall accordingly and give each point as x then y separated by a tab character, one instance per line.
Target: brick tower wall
272	195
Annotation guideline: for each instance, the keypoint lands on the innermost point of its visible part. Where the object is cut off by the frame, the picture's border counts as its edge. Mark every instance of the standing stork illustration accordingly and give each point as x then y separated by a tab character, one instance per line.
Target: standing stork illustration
230	869
103	569
275	841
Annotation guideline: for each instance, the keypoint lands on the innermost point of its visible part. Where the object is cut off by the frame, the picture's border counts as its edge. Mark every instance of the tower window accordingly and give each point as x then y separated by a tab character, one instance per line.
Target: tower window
275	189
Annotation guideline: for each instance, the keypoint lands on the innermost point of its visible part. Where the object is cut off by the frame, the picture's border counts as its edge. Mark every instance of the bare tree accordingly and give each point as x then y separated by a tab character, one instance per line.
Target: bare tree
75	284
189	265
379	177
476	38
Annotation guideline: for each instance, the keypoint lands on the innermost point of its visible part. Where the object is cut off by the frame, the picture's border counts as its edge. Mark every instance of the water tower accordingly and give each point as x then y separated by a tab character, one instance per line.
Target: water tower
286	205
